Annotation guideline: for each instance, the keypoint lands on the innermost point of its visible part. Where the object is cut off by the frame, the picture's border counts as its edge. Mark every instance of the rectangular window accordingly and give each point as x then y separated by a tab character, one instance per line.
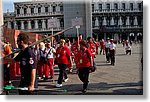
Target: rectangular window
108	6
131	6
46	9
100	7
61	8
139	6
18	11
39	10
25	11
32	10
116	6
123	6
92	7
54	8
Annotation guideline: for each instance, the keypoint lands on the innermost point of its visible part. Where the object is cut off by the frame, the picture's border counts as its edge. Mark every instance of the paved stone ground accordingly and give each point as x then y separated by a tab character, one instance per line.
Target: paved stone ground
125	78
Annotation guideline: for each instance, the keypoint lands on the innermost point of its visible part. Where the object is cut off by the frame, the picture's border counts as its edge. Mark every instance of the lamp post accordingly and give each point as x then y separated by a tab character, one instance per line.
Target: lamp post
52	33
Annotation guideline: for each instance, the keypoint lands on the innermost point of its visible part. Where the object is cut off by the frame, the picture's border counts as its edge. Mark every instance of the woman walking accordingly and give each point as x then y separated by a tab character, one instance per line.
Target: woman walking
63	58
84	64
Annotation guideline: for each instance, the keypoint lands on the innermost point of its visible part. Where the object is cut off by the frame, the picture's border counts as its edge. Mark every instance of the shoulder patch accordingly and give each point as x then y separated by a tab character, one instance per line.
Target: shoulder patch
31	61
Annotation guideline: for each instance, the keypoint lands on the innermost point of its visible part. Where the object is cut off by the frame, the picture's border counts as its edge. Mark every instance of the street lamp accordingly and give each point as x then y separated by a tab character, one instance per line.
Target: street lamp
52	32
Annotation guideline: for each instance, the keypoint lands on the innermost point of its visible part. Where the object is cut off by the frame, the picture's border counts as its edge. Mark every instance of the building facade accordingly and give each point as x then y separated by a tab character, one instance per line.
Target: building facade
1	14
118	19
36	17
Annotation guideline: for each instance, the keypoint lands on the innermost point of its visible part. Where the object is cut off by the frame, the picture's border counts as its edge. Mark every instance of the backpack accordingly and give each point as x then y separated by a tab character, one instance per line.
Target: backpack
44	58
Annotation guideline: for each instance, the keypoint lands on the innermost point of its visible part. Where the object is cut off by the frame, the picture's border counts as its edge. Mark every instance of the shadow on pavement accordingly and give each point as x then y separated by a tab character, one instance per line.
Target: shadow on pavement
97	89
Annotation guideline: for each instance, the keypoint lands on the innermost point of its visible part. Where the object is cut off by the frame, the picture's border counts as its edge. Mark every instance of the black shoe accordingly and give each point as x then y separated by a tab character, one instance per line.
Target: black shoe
84	90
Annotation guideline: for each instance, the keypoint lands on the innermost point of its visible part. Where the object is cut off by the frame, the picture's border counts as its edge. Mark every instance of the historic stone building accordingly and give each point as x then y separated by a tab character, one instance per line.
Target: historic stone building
36	16
47	16
1	14
118	19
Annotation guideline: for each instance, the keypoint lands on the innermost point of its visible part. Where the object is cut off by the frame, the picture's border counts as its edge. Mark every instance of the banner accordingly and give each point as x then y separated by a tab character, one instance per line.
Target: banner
10	35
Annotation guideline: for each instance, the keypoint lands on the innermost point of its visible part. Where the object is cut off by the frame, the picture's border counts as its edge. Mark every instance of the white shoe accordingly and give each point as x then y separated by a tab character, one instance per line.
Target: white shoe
58	85
65	80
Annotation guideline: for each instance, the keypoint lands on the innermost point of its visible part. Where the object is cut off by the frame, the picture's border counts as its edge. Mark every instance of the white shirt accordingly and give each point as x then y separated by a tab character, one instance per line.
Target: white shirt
69	47
112	46
50	54
107	44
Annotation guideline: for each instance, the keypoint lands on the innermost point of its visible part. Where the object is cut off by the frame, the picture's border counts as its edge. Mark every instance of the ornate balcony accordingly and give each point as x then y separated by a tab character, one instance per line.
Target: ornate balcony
116	11
40	14
43	30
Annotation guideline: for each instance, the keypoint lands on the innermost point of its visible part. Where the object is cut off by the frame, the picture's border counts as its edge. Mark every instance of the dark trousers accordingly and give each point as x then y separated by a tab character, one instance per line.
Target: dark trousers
107	54
6	73
128	51
62	73
112	56
83	74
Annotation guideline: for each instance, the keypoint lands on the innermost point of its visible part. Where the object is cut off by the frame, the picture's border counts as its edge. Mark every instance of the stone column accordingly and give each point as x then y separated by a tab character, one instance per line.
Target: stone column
42	9
112	6
127	21
22	11
120	21
127	5
15	25
96	6
36	24
22	25
9	24
135	21
104	21
1	14
28	10
57	8
119	6
96	22
88	19
104	6
50	8
58	23
112	21
29	24
35	10
134	6
43	24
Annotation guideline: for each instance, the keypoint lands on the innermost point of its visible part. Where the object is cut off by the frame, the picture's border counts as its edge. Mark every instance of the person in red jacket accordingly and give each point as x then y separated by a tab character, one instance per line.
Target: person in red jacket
102	44
63	58
91	46
97	44
84	62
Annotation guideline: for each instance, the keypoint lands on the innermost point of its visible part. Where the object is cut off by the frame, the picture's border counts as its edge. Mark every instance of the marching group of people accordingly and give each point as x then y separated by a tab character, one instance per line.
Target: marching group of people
40	59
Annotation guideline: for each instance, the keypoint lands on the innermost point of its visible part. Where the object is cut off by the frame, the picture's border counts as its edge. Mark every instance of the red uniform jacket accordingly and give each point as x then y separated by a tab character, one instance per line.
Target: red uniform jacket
63	55
82	59
91	48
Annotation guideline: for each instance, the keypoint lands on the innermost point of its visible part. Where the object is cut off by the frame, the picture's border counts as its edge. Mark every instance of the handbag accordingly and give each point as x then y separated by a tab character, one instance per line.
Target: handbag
92	68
